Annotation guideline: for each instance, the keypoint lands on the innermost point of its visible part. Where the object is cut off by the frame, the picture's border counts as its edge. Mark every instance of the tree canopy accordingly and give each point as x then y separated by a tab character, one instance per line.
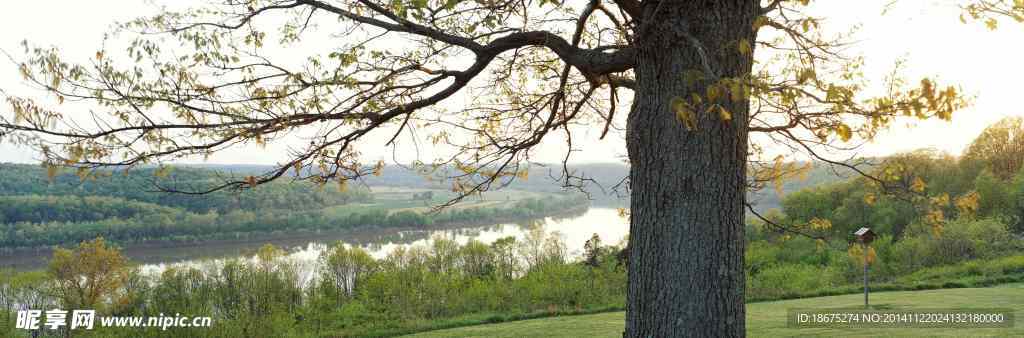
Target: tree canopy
1000	148
202	80
710	85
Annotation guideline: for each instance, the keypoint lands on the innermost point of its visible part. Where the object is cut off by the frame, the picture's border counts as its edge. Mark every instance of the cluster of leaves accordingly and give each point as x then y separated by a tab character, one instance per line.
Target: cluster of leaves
991	11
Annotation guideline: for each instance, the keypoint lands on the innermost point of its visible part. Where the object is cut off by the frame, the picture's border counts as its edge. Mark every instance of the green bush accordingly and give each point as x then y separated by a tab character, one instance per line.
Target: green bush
789	279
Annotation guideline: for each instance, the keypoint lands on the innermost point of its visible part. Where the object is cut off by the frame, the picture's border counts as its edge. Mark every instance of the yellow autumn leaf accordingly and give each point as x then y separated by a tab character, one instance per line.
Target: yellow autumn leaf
523	175
844	132
870	199
759	21
744	47
736	91
935	218
857	254
696	99
623	212
713	93
918	185
968	203
378	168
724	114
806	75
992	24
820	224
684	113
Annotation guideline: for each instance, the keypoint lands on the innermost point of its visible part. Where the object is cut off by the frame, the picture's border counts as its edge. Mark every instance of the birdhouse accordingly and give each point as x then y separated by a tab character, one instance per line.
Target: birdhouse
864	235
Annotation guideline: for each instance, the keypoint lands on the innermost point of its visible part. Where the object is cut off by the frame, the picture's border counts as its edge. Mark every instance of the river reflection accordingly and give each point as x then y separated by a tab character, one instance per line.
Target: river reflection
575	230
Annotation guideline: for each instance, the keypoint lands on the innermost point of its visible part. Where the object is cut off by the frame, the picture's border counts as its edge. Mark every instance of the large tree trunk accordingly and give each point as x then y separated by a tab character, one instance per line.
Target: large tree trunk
687	212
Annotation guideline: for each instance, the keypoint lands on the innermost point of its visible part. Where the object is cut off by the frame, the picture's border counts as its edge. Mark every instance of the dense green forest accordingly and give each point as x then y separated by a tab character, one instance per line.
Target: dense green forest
919	191
36	211
140	184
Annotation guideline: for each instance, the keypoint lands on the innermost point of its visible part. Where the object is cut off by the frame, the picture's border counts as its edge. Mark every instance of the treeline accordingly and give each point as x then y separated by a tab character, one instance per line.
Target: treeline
524	209
132	222
601	178
140	184
942	221
38	209
345	293
923	187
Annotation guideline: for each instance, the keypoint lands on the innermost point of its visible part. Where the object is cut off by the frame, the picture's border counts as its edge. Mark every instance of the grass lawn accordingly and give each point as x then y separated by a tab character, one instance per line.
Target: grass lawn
768	319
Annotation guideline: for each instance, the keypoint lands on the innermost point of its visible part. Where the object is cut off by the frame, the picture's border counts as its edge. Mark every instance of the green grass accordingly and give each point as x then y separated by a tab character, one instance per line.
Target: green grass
768	319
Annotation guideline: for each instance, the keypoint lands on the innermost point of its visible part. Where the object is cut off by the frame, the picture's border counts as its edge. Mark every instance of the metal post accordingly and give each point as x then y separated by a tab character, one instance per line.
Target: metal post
865	254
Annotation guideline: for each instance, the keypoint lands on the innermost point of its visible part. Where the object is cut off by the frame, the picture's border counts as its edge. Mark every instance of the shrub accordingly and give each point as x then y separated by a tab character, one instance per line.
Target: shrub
785	280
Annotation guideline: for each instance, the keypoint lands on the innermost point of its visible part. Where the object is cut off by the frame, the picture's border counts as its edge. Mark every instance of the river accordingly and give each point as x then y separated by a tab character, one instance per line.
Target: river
575	230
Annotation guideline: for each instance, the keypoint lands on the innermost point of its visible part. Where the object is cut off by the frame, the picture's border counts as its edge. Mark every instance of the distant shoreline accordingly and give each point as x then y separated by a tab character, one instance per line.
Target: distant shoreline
140	252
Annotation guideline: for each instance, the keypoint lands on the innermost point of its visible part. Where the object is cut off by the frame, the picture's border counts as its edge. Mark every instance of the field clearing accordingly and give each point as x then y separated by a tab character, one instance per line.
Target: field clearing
463	205
768	319
395	199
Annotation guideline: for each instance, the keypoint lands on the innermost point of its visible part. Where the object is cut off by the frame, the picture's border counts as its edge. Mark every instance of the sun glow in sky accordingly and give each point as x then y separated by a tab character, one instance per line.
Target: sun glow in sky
926	34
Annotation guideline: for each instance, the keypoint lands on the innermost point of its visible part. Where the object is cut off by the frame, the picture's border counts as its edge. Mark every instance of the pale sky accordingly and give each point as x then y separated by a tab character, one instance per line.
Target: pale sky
928	34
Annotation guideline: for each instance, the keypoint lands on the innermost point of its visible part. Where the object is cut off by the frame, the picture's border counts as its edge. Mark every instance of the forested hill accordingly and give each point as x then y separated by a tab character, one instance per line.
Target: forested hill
603	181
139	185
601	178
40	208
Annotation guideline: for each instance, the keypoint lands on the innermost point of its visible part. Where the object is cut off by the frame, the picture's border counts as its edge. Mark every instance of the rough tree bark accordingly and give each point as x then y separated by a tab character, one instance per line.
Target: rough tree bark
686	257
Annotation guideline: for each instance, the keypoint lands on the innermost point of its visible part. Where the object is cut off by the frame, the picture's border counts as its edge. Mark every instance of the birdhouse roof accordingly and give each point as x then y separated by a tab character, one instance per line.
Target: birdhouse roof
863	231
